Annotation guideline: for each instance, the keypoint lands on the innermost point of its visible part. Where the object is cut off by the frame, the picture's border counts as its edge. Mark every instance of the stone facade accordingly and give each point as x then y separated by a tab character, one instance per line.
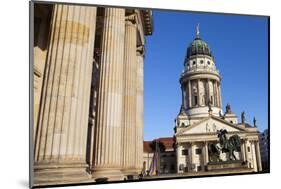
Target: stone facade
201	116
88	92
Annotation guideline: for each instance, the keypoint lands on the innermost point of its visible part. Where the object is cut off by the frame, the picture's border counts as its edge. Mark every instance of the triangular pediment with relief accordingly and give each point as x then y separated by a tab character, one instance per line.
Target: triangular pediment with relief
210	125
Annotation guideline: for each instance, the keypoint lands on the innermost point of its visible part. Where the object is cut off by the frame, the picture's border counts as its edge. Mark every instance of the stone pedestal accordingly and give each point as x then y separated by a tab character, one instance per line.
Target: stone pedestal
60	138
107	140
216	166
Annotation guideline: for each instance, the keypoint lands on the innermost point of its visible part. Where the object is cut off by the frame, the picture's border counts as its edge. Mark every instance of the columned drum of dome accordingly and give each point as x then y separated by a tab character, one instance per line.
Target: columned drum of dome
200	80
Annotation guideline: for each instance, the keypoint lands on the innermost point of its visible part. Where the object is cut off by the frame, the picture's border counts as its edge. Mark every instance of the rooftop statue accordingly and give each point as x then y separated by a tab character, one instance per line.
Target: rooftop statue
255	122
243	117
228	108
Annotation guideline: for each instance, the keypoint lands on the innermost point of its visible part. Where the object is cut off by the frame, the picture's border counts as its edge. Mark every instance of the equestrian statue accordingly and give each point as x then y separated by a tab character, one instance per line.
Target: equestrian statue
225	145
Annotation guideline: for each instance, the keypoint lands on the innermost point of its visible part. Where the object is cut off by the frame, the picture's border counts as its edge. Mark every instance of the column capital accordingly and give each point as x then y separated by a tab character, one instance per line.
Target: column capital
140	50
131	19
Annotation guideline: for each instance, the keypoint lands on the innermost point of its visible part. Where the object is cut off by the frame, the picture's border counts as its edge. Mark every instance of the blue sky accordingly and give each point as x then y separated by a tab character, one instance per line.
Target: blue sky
240	47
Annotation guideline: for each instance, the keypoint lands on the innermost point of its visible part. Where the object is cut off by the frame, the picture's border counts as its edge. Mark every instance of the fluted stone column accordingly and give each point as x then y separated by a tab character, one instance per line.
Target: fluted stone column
198	92
215	103
60	142
243	155
189	94
39	56
183	96
219	93
185	100
191	156
246	152
139	109
129	102
107	140
258	155
179	150
254	157
206	154
208	91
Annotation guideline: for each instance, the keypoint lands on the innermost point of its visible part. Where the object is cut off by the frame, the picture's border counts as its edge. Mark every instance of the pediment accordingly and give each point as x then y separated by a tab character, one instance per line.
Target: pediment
210	125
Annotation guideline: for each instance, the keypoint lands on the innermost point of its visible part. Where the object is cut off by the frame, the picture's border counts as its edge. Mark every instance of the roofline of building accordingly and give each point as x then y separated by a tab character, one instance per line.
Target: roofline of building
147	21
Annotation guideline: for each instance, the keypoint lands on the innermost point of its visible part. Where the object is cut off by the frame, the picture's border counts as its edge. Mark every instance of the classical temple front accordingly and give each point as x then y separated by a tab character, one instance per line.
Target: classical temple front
88	92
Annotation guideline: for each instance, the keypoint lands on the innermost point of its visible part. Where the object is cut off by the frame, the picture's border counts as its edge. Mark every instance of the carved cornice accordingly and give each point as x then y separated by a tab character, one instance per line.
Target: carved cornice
147	21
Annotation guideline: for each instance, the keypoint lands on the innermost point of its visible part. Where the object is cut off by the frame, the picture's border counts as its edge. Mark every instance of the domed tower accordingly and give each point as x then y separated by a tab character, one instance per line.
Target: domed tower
200	82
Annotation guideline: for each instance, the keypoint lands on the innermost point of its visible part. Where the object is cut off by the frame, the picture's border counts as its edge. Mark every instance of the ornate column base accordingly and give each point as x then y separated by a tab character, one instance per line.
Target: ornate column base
60	173
131	171
112	174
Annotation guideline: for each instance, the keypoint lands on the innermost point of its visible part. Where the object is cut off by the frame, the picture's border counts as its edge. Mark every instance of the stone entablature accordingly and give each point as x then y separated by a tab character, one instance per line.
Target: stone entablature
147	21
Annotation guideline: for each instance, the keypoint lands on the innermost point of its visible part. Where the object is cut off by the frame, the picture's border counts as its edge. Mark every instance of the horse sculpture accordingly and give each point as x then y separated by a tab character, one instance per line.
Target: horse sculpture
225	145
